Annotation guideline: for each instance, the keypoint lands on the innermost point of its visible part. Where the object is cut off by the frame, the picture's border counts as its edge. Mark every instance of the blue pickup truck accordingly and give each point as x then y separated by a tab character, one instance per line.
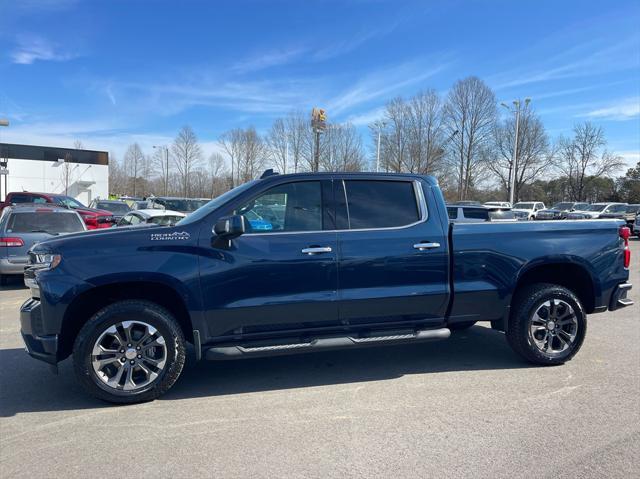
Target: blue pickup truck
335	260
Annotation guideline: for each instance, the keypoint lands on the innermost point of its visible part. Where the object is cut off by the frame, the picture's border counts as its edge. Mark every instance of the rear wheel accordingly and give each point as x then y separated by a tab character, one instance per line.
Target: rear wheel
129	352
548	324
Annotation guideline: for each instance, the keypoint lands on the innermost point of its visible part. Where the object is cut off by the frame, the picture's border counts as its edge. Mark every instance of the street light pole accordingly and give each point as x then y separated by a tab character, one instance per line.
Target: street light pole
380	125
514	161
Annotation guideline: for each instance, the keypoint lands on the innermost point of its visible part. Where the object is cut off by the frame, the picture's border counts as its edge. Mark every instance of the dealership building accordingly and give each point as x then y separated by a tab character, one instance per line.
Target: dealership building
82	174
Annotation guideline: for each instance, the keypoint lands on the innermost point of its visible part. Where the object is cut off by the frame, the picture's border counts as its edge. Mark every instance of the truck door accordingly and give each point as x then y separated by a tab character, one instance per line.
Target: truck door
393	253
282	273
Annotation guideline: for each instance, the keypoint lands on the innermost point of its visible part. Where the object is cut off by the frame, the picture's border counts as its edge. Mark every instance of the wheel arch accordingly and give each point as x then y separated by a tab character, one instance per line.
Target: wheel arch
572	273
89	302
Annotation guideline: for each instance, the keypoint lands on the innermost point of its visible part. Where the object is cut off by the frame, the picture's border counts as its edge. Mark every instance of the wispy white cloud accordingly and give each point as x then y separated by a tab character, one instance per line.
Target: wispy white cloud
625	109
268	59
367	117
32	48
384	83
581	60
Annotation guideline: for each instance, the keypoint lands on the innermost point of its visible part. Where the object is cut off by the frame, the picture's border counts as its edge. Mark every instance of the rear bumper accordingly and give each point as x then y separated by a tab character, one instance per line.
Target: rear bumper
15	265
619	297
42	347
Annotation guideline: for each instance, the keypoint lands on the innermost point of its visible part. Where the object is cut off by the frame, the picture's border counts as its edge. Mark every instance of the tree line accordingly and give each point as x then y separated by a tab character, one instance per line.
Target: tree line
461	138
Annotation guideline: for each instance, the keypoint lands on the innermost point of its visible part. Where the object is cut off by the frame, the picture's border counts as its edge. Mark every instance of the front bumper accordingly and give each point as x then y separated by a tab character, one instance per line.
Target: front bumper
619	297
42	347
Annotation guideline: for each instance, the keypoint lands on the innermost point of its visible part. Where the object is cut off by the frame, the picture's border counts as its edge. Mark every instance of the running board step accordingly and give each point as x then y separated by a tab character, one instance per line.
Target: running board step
342	342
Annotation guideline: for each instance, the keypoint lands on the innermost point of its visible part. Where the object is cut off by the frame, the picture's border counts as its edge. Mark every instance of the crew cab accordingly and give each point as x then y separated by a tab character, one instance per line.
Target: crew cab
93	218
348	260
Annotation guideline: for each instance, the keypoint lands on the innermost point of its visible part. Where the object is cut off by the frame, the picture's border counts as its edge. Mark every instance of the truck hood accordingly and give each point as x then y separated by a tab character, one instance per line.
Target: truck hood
115	238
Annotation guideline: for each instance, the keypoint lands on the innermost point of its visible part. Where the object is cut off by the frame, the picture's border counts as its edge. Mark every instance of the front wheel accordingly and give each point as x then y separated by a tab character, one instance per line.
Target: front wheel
548	324
129	352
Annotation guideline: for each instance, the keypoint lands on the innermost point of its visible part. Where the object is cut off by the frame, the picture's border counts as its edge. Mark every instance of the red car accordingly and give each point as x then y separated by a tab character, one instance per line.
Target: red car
93	218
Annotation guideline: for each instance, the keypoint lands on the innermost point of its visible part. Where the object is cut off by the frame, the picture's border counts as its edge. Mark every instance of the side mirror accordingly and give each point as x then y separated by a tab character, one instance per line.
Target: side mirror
230	227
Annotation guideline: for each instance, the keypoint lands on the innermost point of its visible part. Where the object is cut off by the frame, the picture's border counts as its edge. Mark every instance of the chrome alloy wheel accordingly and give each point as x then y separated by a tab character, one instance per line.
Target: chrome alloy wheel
129	355
553	327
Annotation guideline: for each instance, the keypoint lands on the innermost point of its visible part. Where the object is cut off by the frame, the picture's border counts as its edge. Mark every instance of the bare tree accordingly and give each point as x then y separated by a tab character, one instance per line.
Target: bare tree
341	148
231	142
133	159
535	154
395	138
187	156
217	174
298	132
471	111
278	145
252	157
425	131
160	162
77	144
585	155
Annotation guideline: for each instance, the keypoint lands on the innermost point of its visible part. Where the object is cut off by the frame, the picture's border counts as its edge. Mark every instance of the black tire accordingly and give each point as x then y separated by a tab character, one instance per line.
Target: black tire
461	326
525	305
130	310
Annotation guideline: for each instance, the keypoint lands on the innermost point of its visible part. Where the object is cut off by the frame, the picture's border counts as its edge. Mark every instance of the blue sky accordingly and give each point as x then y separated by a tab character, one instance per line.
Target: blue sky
110	73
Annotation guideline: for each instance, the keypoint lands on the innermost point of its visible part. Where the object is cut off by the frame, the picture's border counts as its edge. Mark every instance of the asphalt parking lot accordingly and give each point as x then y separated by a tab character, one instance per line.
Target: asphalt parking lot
465	407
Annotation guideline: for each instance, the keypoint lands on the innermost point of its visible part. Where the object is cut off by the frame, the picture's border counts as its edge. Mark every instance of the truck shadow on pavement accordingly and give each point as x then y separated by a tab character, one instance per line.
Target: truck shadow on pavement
27	385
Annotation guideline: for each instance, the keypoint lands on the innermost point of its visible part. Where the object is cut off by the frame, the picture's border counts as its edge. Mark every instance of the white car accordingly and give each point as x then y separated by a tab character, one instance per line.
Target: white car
498	204
151	216
531	208
594	210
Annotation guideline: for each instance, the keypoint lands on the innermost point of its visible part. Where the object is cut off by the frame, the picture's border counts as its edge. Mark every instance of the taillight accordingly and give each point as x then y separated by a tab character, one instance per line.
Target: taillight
11	242
625	233
90	220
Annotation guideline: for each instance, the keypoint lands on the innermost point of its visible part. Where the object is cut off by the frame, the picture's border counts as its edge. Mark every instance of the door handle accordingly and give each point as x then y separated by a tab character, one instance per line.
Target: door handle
317	249
424	246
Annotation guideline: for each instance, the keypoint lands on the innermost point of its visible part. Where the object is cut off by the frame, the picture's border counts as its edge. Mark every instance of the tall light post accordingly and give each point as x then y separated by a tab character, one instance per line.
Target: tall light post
4	163
514	162
380	124
166	170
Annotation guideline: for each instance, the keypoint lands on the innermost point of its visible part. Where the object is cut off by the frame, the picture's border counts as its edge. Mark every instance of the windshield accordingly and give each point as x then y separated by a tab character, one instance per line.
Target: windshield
216	203
68	202
523	206
113	207
195	204
594	208
44	222
562	206
166	220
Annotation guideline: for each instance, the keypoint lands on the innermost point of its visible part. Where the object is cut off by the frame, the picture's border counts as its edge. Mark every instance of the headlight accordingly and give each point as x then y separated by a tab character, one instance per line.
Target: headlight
46	261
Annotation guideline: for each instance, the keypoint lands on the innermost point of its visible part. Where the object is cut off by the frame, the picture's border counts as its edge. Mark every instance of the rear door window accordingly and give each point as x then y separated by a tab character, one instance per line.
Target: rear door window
452	212
45	222
381	204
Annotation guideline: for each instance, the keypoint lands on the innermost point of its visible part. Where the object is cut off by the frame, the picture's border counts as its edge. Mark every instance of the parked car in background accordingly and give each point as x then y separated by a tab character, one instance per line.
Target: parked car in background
529	207
183	205
199	202
467	214
559	211
23	226
117	208
499	204
154	217
636	226
466	203
502	215
139	205
93	218
595	210
629	214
